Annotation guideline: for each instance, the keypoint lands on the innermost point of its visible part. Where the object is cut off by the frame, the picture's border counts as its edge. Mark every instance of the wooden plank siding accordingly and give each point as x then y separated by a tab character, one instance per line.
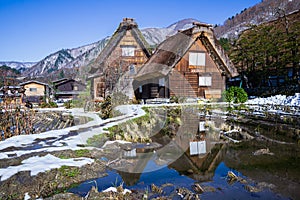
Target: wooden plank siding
121	64
191	74
191	62
116	59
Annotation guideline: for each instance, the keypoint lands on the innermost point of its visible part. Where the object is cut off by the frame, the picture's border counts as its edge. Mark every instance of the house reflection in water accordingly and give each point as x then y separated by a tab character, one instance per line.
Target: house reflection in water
197	147
130	153
195	151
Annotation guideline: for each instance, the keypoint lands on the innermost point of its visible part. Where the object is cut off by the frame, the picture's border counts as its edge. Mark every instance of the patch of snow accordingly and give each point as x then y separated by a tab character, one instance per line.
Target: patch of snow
38	164
72	142
27	196
114	189
277	100
110	189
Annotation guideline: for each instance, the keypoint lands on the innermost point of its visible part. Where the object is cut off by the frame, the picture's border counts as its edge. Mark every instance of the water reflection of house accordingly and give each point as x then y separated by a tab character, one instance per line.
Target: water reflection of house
130	153
202	151
174	150
134	167
119	61
190	64
36	91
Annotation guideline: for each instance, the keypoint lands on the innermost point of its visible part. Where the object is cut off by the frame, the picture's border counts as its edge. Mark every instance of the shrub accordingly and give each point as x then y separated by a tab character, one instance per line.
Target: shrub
174	99
68	104
48	105
106	108
235	94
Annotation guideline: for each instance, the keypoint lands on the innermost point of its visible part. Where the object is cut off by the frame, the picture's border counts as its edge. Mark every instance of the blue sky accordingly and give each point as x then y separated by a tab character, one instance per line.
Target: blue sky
33	29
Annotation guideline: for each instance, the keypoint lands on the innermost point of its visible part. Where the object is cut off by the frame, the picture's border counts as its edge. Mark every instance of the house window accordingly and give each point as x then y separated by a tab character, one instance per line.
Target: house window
204	81
75	88
128	50
100	90
33	89
140	89
161	82
132	69
197	59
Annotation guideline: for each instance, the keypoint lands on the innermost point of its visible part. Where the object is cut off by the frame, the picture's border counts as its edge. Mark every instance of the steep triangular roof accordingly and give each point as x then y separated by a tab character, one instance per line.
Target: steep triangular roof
68	80
125	25
172	50
59	80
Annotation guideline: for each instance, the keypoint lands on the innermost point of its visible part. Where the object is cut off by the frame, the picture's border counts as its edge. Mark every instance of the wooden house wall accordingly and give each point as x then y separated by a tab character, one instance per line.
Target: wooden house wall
119	62
116	59
40	89
70	86
192	73
98	86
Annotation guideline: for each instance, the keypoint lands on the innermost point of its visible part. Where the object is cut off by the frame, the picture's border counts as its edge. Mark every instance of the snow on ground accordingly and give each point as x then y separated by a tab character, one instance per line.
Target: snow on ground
38	164
70	142
277	100
114	189
27	144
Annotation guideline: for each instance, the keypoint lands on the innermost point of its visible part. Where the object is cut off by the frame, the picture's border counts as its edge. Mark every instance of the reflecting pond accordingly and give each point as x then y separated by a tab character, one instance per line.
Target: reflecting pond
204	149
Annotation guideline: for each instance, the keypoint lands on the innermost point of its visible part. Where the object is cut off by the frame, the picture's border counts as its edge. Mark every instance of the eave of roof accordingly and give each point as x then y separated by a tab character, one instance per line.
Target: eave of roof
115	40
34	81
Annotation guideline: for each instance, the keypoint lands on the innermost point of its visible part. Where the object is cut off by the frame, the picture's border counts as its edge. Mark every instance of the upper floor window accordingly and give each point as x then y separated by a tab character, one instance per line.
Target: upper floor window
197	58
32	89
128	50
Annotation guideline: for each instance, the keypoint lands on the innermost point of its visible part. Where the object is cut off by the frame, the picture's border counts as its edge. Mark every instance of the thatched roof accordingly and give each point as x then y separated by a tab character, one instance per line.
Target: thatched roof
128	24
172	50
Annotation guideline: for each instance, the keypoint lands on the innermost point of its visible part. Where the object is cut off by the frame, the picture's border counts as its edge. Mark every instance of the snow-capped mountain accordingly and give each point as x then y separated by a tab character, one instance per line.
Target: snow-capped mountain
82	56
265	11
67	58
20	66
155	36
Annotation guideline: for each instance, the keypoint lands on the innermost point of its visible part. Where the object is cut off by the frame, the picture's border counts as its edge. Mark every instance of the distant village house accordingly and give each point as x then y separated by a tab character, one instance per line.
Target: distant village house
12	95
36	91
68	88
188	64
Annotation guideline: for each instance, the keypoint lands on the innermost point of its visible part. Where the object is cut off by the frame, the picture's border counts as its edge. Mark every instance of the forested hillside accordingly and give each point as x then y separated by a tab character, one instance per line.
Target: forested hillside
265	11
268	55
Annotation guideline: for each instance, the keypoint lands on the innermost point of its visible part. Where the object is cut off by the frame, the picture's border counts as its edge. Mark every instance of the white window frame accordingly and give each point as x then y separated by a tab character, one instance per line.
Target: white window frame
128	50
197	58
161	82
205	80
